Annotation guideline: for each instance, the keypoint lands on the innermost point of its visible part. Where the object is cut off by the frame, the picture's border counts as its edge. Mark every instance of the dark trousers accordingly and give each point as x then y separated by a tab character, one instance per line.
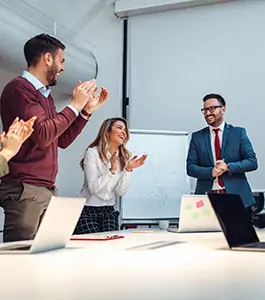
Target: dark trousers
249	211
24	206
97	219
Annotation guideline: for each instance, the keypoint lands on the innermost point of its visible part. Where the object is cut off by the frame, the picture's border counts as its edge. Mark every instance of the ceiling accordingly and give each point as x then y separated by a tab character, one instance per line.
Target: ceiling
69	13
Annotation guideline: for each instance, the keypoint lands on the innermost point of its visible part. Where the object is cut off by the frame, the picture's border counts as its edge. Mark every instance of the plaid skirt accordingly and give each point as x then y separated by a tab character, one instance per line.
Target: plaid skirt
97	219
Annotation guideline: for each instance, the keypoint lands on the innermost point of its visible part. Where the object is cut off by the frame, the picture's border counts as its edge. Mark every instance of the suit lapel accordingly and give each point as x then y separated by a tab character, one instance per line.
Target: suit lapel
225	138
208	144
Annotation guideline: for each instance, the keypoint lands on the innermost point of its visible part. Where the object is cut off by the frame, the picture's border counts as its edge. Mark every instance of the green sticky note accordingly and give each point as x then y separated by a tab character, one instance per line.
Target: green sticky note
195	215
188	206
207	212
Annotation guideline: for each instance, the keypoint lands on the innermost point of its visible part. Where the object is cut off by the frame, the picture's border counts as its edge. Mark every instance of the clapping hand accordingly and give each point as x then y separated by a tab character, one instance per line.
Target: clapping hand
81	93
27	129
96	101
135	162
17	133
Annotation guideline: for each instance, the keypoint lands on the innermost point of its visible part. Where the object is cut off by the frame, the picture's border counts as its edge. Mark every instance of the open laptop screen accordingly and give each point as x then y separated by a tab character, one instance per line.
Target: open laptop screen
234	219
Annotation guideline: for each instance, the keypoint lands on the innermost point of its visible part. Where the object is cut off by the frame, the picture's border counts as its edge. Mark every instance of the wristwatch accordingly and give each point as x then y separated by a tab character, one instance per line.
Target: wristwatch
86	114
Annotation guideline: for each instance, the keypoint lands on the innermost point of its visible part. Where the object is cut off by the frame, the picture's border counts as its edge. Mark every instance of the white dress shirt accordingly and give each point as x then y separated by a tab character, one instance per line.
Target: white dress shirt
45	91
101	186
216	186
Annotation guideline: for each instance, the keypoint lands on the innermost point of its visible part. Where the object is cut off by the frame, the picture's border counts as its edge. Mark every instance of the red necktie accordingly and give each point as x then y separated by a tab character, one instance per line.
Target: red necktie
218	152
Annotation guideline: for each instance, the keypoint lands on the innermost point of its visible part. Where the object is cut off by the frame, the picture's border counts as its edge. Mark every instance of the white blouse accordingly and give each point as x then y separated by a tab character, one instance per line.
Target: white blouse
101	186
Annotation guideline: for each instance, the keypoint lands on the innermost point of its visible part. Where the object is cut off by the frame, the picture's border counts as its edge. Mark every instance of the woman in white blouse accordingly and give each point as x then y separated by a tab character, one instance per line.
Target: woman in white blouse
107	170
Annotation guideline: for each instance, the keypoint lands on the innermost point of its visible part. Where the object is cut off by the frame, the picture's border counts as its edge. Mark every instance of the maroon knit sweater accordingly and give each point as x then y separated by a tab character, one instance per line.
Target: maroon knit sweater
37	161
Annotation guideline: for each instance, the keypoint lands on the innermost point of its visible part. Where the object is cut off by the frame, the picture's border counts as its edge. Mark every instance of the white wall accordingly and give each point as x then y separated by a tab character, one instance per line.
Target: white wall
177	57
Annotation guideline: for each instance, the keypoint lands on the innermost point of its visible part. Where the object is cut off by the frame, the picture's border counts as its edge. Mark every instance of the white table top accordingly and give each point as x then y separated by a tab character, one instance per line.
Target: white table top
195	269
258	191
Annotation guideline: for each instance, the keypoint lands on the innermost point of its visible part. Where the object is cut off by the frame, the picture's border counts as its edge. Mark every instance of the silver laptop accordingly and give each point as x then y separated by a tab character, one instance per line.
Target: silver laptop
197	215
55	230
236	223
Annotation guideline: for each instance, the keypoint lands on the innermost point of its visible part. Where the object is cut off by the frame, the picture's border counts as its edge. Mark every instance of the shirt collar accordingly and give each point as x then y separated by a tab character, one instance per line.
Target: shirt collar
221	127
39	86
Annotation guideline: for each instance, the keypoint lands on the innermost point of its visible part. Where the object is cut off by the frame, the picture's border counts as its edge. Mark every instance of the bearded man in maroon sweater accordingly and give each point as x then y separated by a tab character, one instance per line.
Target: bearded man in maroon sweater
26	191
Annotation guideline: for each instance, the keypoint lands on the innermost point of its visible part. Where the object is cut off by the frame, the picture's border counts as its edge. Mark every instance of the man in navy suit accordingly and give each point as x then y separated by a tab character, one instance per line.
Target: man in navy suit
220	154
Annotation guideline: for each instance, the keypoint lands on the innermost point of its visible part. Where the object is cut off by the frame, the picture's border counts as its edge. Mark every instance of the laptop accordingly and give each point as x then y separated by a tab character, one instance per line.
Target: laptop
55	230
196	215
235	222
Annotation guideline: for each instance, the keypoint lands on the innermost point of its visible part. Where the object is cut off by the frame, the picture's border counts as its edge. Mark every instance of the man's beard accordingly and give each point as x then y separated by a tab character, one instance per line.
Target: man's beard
52	75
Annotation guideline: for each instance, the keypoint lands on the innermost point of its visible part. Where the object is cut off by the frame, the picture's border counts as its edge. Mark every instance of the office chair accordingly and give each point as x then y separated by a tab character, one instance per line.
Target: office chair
258	217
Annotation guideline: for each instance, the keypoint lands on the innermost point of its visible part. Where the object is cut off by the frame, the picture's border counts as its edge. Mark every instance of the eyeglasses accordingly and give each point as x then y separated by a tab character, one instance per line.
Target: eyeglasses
211	109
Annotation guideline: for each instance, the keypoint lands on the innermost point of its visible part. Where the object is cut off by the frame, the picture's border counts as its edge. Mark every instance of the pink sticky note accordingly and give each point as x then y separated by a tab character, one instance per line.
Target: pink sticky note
199	204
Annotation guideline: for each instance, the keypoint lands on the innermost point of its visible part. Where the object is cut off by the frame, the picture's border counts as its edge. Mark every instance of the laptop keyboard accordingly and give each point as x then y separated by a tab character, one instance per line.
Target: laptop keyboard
258	245
16	247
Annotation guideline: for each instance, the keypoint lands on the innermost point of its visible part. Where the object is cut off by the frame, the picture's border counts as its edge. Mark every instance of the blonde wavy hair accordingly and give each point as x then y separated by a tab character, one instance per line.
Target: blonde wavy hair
102	142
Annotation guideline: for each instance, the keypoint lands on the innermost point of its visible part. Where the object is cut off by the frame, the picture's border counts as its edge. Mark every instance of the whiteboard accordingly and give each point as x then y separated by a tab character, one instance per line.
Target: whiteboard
157	186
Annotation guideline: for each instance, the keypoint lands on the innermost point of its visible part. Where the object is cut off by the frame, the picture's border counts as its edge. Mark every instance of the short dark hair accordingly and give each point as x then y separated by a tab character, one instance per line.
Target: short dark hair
220	99
39	45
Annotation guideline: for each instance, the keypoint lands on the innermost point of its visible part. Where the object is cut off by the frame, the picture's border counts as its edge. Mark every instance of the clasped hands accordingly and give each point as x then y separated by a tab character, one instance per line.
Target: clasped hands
219	168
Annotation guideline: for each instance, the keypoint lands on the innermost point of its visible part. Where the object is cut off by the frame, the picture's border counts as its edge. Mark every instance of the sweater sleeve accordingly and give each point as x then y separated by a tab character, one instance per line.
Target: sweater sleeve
3	166
26	104
72	132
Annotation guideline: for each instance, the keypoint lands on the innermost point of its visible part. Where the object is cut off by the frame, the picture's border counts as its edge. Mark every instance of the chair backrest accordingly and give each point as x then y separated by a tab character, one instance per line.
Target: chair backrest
259	205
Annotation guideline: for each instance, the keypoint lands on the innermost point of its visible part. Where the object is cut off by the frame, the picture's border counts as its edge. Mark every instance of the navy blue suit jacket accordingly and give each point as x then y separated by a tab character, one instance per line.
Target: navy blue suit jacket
236	150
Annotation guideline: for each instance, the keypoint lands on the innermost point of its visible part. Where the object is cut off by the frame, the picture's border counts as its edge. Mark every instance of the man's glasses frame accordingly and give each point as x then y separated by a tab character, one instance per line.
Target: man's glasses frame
211	109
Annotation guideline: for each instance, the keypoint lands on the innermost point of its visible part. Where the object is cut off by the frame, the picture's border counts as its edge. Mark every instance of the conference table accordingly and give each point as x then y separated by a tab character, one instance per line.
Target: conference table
153	264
